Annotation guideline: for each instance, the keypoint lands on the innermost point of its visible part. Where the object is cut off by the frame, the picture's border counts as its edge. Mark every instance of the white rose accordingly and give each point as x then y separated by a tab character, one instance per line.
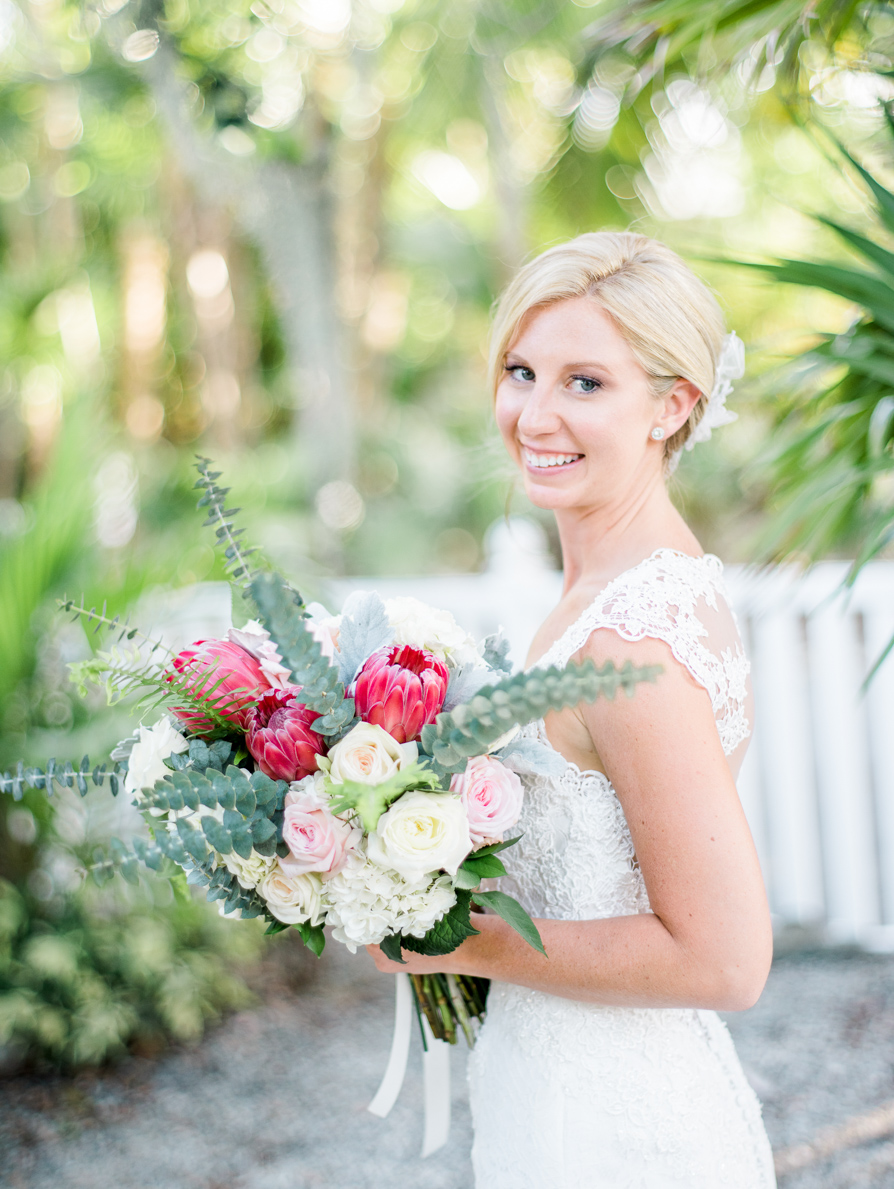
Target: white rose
146	763
293	900
421	626
251	871
421	832
369	755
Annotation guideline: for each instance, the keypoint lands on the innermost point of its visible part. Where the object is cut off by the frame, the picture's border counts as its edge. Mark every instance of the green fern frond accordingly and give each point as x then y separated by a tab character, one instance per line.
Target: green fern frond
285	620
220	518
475	725
161	687
111	625
65	775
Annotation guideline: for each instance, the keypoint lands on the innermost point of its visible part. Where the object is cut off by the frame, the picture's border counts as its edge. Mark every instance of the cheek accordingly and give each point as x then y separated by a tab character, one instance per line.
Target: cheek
506	413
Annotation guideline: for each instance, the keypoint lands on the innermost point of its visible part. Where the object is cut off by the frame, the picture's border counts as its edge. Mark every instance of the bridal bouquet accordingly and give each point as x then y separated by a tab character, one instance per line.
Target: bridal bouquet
358	771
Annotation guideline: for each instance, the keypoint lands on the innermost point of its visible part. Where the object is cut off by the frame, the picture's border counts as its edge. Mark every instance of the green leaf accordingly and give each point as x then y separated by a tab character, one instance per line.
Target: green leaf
495	847
513	914
484	866
242	842
390	946
866	247
192	840
466	878
275	927
312	936
447	933
861	287
220	518
217	834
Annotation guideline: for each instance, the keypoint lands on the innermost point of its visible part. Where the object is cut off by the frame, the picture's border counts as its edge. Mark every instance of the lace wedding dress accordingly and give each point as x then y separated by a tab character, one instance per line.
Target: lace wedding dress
572	1095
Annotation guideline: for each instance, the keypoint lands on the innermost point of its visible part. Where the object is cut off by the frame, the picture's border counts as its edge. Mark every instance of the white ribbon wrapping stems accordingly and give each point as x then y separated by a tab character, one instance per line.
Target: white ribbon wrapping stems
435	1071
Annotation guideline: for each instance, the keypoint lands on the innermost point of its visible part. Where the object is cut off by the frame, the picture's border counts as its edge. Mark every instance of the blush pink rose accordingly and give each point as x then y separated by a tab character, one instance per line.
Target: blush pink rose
317	840
492	796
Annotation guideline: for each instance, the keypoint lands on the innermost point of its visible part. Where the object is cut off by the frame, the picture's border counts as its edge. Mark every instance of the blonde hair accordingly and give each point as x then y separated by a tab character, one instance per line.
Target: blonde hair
669	318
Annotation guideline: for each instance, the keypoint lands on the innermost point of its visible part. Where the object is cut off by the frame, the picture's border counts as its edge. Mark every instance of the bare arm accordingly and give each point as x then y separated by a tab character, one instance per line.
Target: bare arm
707	942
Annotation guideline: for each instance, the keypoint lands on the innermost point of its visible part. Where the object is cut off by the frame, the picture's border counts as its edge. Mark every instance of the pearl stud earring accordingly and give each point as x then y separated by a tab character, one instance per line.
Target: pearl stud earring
657	433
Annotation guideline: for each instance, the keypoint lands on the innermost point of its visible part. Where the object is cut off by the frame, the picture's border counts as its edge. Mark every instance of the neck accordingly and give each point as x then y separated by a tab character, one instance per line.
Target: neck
600	542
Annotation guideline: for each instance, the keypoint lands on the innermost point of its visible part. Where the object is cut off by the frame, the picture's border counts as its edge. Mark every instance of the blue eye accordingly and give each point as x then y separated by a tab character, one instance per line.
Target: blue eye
587	383
524	374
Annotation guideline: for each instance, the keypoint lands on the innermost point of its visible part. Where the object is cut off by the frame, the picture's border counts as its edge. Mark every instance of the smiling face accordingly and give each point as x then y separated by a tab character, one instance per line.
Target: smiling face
575	409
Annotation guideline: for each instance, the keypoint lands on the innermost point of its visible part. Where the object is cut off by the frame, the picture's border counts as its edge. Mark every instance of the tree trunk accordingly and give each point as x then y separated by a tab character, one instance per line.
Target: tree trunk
287	210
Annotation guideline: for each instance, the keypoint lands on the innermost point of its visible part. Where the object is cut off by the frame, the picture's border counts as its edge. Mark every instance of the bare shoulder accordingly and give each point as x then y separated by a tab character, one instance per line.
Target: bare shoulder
604	645
672	707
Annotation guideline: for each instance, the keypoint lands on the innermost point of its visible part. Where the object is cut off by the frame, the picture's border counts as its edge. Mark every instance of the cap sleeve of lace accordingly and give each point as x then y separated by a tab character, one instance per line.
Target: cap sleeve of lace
681	600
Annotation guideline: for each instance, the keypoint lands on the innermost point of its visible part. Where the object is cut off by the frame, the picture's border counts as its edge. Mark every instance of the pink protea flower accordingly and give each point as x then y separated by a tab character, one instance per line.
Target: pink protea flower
400	690
227	675
280	738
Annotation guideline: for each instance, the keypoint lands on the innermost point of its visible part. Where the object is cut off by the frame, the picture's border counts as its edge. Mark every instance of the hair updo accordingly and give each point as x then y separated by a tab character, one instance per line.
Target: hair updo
669	318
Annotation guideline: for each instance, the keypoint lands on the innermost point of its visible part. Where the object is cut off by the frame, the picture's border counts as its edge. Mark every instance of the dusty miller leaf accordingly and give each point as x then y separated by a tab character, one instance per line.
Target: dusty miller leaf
364	628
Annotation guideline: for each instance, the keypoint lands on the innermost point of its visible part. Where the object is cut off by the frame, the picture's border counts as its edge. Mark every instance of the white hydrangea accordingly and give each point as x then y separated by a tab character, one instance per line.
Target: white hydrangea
421	626
365	902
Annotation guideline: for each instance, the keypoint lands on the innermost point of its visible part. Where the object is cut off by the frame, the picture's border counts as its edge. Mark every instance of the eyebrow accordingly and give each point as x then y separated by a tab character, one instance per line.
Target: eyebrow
596	367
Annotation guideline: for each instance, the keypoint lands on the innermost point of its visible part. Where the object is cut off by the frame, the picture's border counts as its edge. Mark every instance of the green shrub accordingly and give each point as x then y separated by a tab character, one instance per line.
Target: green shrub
104	970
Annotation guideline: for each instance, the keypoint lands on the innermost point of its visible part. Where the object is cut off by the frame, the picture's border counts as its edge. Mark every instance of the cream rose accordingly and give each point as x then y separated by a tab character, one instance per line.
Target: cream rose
154	746
492	796
251	871
421	832
369	755
293	899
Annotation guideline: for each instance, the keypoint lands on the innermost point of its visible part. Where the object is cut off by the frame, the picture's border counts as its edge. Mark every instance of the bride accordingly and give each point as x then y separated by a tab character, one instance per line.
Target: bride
604	1065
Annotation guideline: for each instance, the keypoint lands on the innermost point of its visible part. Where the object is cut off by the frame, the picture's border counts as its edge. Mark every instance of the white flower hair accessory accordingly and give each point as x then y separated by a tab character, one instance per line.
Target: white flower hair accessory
730	366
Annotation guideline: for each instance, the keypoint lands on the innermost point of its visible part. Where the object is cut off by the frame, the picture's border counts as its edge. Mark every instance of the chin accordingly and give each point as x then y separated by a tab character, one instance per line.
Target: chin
554	499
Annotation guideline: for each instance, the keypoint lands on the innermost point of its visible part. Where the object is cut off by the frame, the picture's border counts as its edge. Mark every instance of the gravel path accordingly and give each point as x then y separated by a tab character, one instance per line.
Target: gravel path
254	1105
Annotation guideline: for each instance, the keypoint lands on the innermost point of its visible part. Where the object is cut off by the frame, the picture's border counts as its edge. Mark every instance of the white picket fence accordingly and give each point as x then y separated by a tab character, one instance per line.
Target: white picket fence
818	782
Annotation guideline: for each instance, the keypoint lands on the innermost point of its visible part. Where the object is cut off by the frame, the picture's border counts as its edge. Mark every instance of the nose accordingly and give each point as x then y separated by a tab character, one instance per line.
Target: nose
539	414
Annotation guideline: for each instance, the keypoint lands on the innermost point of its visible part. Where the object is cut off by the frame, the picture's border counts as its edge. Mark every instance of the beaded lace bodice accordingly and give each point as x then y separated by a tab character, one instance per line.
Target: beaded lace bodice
582	1096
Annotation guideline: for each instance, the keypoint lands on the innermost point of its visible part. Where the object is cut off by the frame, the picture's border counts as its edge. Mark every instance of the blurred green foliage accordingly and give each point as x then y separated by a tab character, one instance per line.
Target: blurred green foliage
83	986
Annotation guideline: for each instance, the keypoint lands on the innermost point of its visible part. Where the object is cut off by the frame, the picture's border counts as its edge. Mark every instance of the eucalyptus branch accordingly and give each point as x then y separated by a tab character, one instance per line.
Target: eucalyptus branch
220	519
65	775
473	726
